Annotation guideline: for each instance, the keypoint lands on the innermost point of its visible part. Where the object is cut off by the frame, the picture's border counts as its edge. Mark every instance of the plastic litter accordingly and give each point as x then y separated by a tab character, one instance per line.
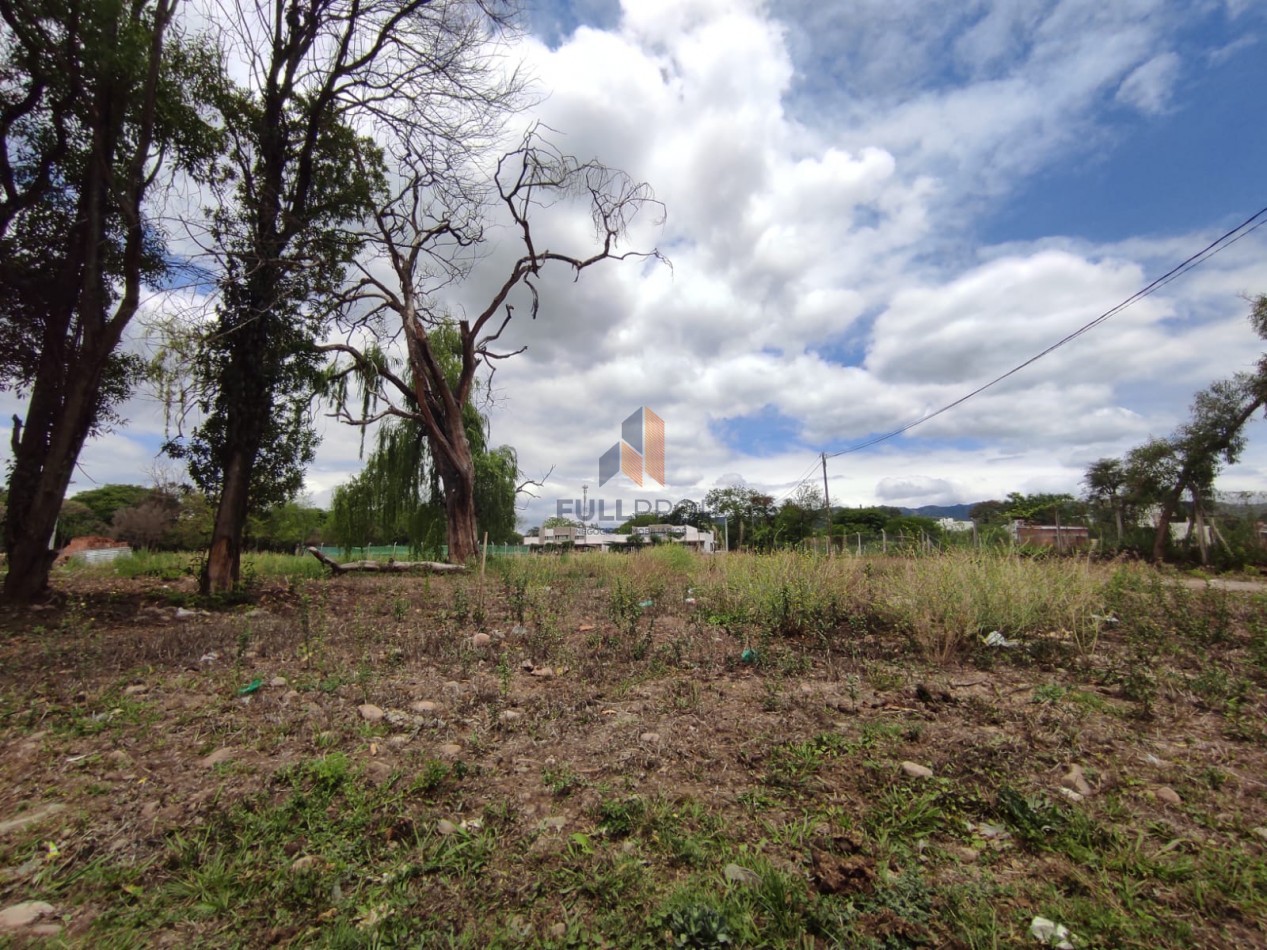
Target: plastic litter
250	687
646	603
996	639
1050	933
749	655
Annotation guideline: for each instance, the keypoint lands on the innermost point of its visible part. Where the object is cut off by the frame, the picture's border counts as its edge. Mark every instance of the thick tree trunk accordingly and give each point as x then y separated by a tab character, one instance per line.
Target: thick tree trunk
59	416
224	559
457	477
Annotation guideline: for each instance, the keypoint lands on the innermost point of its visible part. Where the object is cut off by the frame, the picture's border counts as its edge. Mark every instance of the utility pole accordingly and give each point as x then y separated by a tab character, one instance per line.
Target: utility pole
827	503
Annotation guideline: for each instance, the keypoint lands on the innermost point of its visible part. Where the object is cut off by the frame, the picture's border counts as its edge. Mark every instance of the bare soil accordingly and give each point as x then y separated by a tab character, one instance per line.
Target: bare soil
151	724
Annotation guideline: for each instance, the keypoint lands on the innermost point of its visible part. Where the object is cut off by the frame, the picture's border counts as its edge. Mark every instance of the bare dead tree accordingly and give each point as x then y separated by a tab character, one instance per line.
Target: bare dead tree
425	240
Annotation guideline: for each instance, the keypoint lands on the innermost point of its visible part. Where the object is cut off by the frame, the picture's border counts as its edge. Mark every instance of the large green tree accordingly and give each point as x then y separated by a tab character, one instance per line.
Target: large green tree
99	104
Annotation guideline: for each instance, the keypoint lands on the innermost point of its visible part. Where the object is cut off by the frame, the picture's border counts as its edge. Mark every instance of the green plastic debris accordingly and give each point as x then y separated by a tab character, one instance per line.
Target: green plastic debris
646	603
749	655
250	687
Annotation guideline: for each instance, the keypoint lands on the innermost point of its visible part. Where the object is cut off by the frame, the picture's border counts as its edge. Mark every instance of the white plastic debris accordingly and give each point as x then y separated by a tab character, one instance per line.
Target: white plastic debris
996	639
1051	934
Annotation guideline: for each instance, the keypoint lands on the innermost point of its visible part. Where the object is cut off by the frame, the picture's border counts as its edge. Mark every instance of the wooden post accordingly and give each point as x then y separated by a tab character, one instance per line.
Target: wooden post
484	556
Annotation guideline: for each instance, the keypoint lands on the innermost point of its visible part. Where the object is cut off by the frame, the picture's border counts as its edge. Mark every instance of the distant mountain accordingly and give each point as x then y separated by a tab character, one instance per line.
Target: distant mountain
958	512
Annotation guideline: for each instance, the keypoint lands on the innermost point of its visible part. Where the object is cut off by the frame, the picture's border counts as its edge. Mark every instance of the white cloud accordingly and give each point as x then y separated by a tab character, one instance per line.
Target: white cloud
1148	87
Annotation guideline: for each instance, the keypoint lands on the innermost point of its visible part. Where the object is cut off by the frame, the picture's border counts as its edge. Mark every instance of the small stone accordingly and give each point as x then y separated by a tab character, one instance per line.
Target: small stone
278	681
509	715
24	915
424	706
481	640
1070	795
136	689
215	758
446	827
649	738
544	672
1168	795
554	822
519	630
527	666
1075	781
737	874
1260	832
450	748
558	931
31	817
585	628
915	770
120	758
290	696
371	713
309	862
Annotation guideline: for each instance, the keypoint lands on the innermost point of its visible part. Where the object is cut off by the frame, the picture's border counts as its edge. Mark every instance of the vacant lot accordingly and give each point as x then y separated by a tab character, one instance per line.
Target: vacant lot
647	750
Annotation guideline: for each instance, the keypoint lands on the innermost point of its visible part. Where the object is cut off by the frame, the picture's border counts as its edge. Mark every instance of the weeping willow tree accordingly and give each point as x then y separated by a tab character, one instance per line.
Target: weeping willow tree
398	497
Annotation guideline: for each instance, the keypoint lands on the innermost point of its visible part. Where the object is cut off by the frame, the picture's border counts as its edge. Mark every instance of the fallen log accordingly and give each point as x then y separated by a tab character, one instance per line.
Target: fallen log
429	567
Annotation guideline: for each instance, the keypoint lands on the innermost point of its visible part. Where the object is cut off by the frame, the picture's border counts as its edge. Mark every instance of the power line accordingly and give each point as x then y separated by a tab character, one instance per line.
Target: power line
1222	243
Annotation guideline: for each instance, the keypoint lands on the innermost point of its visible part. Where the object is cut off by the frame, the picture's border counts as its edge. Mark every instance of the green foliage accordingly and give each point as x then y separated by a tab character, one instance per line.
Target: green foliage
108	499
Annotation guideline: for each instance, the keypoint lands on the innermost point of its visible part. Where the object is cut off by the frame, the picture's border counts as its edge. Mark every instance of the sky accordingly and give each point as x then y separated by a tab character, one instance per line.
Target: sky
870	209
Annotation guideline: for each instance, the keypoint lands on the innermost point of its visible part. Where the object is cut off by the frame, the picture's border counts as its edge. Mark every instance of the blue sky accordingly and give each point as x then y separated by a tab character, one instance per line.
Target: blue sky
872	208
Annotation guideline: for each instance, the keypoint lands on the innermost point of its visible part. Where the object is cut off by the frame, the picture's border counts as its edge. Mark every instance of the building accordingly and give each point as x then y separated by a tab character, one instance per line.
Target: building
575	538
1060	537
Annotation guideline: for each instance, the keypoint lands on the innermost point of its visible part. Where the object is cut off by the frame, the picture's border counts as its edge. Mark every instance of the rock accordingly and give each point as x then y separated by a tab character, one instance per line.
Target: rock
290	696
371	713
649	738
585	628
215	758
425	706
278	681
1075	781
519	630
446	827
554	823
1068	794
1050	934
309	862
915	770
510	715
120	758
527	666
544	672
31	817
1168	795
480	640
737	874
1260	832
558	931
450	748
136	689
23	915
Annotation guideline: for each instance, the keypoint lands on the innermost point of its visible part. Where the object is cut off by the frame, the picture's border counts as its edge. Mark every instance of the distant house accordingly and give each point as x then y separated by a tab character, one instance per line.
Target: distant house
1060	537
581	539
953	524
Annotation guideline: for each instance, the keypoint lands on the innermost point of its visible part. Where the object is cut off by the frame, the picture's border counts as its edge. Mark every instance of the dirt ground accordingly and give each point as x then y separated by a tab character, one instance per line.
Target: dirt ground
1124	797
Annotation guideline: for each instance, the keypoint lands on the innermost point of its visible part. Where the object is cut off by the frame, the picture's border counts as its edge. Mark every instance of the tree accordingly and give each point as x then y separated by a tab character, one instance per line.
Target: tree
689	512
1105	482
299	175
989	513
146	524
108	499
426	238
1162	470
99	104
746	509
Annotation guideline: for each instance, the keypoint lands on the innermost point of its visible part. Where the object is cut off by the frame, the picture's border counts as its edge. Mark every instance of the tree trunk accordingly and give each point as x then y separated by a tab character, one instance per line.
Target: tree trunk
59	416
224	559
457	476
